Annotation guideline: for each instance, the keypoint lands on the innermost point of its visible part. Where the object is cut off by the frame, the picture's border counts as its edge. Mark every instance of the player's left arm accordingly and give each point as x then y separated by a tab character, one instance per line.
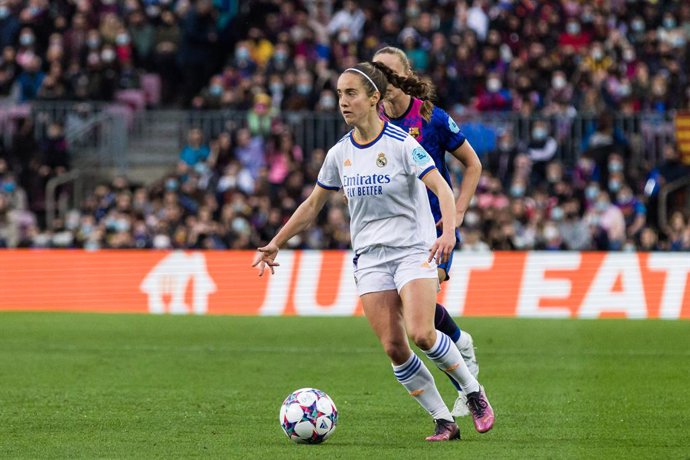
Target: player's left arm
473	170
455	142
444	245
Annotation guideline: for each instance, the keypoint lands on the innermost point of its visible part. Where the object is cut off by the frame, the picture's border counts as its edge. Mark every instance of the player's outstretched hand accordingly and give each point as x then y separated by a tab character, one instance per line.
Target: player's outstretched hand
265	256
442	248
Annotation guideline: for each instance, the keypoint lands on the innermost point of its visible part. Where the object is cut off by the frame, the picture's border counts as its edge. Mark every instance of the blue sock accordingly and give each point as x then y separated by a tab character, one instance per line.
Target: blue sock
445	324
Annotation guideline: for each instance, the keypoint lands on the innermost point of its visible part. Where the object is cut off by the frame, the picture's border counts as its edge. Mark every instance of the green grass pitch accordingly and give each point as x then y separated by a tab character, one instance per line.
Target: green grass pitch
140	386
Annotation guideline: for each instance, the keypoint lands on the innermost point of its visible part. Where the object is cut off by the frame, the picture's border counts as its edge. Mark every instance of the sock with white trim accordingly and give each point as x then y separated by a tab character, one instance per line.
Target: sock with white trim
419	383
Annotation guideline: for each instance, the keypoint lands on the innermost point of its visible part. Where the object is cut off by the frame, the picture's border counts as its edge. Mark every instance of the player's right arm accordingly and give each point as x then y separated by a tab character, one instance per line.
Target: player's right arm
328	181
298	222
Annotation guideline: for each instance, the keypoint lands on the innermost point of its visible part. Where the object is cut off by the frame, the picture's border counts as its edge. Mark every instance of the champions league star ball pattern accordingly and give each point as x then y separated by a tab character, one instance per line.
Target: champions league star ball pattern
308	416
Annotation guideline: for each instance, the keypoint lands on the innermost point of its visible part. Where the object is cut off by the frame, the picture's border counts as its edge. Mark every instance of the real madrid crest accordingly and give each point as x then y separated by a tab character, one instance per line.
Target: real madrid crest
381	160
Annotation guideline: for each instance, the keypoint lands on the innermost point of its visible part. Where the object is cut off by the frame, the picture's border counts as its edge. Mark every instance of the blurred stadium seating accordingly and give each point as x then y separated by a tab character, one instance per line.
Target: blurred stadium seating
203	124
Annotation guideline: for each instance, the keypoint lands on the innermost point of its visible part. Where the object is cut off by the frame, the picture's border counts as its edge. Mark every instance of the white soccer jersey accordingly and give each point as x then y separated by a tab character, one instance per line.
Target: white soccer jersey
387	200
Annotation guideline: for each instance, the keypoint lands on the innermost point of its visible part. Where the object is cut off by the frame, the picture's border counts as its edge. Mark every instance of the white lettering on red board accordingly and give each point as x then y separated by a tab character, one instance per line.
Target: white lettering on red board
536	286
308	277
457	286
601	296
171	277
677	268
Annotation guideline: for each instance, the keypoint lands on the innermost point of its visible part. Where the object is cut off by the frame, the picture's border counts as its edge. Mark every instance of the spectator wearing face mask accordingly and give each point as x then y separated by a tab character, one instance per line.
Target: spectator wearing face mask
573	228
630	62
211	97
243	61
494	97
518	187
279	62
262	116
471	234
301	96
637	29
351	17
669	32
260	49
327	101
541	148
603	142
15	194
110	72
27	48
550	238
634	211
597	60
37	15
591	192
561	90
607	222
501	162
30	80
615	182
574	36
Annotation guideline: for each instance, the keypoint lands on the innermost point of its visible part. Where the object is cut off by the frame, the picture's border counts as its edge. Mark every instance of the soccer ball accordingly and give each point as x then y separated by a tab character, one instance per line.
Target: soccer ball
308	416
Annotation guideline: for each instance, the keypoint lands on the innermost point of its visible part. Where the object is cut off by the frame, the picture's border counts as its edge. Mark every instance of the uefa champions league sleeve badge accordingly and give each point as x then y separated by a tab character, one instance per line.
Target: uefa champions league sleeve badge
420	156
454	128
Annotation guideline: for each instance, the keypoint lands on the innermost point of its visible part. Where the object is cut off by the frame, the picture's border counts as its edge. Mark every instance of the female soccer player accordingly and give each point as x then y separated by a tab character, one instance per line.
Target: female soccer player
437	133
383	172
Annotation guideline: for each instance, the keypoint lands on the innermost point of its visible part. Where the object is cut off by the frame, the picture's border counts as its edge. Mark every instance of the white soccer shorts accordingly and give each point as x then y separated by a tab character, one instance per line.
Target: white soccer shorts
383	268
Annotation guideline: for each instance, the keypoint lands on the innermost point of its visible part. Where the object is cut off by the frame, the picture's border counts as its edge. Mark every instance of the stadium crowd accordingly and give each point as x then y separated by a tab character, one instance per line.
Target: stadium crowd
549	58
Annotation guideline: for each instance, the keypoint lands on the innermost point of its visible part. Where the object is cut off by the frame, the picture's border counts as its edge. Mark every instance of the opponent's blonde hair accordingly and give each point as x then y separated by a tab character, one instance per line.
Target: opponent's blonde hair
412	85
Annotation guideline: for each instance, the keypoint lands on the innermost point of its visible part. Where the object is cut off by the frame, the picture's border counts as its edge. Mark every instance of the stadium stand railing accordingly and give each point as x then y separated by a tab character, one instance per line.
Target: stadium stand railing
114	128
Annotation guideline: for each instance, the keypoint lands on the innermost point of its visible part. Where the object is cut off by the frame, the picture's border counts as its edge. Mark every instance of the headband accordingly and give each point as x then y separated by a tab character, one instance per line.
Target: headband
365	76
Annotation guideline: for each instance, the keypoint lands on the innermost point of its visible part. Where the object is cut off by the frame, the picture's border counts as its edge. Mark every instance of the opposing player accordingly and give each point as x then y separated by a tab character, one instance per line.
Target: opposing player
411	110
383	172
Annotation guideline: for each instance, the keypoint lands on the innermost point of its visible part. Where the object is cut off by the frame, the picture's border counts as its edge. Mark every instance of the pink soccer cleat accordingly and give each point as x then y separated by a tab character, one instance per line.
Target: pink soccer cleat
482	413
445	431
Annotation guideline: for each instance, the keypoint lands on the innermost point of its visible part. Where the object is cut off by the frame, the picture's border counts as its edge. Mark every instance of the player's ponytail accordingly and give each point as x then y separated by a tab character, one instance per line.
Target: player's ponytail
410	83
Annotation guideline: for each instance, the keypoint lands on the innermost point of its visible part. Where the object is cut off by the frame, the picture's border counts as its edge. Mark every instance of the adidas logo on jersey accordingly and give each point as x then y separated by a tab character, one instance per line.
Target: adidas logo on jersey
347	162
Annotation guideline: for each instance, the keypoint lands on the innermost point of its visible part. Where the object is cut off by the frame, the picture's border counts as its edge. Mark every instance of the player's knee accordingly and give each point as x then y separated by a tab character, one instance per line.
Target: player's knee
424	338
397	351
